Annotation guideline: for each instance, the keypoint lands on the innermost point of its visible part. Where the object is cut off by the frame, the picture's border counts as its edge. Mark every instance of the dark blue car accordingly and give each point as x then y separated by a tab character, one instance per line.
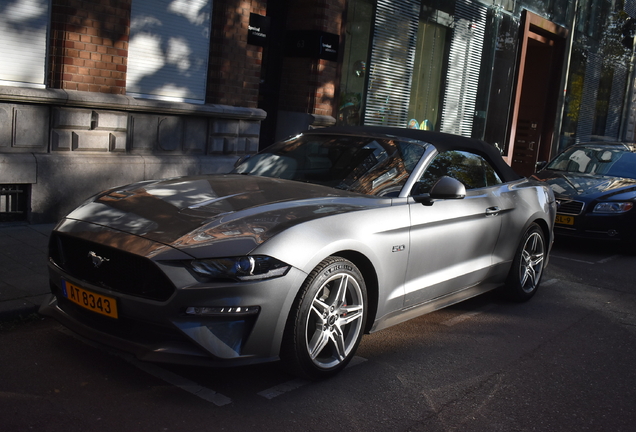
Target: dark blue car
595	187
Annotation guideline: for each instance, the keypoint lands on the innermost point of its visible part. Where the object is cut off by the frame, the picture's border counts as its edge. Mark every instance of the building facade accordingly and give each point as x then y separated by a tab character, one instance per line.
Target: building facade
99	93
528	76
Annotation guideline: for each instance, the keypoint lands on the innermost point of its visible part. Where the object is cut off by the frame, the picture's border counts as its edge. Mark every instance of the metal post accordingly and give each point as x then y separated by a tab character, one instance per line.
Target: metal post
568	56
629	91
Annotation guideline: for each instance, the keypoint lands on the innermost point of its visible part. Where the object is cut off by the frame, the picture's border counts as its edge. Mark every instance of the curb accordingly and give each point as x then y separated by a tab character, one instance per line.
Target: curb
11	310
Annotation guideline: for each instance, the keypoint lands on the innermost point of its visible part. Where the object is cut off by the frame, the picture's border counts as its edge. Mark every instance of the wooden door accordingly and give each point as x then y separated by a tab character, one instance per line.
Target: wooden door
537	93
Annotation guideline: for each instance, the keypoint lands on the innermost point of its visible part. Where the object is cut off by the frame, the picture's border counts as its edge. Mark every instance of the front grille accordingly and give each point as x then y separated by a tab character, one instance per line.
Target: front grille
119	271
570	207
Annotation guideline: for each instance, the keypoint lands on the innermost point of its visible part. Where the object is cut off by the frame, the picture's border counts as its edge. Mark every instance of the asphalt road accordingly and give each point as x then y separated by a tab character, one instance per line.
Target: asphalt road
565	361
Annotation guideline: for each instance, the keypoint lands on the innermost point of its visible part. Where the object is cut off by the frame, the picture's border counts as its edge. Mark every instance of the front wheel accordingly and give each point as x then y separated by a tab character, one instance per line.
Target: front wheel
527	266
327	320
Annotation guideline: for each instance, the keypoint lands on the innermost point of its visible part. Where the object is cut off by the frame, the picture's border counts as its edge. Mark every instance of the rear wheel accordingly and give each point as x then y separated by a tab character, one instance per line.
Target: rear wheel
327	320
527	266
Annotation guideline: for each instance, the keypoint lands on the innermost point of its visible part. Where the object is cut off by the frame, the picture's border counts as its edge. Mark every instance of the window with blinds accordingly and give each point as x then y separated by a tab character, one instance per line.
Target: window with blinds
23	32
391	65
168	49
463	68
404	86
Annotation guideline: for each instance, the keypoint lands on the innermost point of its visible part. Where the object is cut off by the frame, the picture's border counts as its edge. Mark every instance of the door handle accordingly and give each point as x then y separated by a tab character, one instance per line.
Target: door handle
492	211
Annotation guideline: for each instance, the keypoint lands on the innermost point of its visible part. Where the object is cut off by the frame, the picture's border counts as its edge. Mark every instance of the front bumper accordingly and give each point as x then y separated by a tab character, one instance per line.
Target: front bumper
163	332
620	227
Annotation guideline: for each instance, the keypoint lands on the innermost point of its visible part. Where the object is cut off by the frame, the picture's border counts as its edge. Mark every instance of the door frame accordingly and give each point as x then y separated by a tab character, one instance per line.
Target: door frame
544	31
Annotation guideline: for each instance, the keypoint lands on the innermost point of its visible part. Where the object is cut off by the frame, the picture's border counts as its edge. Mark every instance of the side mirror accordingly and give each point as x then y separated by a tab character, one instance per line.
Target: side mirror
445	188
540	165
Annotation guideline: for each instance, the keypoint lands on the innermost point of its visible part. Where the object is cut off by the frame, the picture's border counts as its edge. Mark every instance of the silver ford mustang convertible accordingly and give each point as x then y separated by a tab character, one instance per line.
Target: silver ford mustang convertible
300	250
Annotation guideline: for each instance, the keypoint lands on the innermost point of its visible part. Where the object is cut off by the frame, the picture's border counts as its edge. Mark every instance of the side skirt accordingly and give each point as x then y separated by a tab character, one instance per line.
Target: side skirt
497	278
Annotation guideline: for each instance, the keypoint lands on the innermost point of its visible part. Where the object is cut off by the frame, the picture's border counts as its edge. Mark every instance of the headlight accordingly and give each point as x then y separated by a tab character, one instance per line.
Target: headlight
244	268
613	207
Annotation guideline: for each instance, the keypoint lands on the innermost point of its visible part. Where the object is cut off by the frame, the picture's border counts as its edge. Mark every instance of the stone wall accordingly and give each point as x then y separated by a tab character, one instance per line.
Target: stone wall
69	145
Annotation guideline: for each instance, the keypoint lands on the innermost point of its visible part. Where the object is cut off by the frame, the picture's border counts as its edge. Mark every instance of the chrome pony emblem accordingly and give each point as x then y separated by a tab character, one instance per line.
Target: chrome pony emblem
97	260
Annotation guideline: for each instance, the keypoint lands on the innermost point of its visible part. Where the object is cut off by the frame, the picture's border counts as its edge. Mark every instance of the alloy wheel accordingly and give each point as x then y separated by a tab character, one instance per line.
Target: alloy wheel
532	261
334	321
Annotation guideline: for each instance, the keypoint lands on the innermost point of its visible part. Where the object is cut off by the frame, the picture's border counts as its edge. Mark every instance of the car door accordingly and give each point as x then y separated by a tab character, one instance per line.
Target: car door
452	241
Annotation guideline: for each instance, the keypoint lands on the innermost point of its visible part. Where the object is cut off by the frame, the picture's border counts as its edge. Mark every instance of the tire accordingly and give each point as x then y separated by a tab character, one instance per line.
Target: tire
527	267
327	320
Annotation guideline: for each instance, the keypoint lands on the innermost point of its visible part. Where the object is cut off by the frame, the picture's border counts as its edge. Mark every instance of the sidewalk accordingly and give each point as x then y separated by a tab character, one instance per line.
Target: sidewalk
23	268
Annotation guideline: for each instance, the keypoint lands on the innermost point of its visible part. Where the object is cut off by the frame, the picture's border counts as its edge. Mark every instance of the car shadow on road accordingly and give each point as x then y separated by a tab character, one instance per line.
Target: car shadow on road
592	247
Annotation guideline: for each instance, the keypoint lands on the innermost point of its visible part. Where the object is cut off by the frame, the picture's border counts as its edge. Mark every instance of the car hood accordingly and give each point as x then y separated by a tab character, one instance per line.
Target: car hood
239	211
586	186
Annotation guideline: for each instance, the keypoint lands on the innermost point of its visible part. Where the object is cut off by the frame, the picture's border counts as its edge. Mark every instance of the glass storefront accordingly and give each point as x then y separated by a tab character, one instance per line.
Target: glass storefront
432	64
452	66
598	74
353	80
430	68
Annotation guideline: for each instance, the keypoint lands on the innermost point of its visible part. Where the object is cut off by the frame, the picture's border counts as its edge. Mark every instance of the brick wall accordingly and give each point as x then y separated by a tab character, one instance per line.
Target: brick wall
234	69
326	15
89	45
309	84
89	49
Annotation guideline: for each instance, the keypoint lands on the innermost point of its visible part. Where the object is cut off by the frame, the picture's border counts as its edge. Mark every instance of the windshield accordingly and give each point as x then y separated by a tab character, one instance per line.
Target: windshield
356	164
610	161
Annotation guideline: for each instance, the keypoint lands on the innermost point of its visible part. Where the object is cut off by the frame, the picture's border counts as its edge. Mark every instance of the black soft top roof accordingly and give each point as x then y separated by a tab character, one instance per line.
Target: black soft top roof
441	141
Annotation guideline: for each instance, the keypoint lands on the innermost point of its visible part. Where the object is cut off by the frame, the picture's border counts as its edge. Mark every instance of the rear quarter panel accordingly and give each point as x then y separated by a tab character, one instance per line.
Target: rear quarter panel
524	202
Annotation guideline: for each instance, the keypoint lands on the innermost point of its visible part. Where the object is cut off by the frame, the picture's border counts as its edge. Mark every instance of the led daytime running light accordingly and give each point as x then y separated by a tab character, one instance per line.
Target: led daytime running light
223	311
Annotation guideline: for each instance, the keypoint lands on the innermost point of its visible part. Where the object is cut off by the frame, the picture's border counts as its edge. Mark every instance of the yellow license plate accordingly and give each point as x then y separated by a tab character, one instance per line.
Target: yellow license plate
564	220
89	300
